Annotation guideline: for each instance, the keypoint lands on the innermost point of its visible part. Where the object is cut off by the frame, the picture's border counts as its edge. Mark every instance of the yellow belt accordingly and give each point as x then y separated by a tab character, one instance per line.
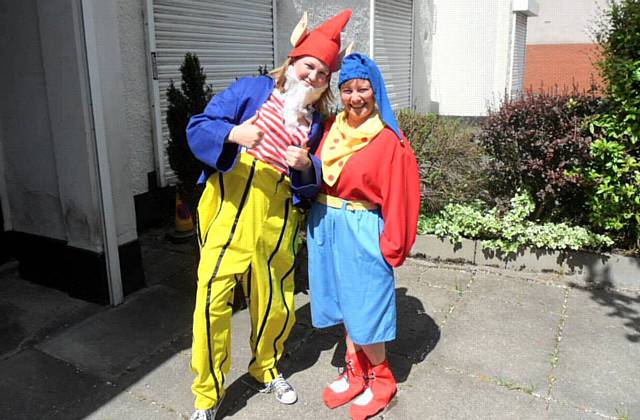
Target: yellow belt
338	203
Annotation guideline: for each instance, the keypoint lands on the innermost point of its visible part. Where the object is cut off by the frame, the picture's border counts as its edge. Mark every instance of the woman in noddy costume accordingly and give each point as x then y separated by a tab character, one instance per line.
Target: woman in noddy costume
362	224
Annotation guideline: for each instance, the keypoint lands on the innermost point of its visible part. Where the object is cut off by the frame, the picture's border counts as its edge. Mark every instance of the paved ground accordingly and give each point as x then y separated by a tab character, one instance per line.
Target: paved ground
472	344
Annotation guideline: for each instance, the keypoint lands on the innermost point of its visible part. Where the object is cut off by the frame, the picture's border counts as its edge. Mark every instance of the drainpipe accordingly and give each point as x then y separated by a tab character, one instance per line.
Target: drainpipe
372	28
110	237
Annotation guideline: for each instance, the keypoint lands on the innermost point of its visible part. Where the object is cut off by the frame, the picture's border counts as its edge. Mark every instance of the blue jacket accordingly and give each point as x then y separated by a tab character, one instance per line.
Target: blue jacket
207	133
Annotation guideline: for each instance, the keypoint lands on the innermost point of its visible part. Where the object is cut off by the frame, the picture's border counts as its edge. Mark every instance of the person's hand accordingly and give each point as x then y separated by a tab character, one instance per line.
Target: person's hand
247	134
298	158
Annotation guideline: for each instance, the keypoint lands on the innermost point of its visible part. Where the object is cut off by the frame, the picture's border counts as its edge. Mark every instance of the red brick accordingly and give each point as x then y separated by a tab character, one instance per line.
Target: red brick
561	66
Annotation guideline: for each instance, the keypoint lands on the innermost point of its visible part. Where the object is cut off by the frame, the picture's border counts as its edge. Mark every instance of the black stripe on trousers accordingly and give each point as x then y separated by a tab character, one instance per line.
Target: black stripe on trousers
284	327
215	271
266	314
198	233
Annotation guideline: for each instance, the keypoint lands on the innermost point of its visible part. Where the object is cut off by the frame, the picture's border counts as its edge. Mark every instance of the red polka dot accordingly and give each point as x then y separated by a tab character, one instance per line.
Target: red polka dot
364	140
341	163
330	177
336	140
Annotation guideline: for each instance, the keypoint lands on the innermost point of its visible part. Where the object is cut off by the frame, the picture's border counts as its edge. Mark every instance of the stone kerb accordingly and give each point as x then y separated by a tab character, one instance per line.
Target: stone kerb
593	269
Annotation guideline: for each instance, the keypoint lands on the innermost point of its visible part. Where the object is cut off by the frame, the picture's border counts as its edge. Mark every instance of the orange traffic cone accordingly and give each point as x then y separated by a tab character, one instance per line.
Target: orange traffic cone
184	229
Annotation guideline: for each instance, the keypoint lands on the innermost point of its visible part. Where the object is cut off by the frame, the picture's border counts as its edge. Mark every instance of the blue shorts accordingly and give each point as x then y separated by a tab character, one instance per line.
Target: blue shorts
349	279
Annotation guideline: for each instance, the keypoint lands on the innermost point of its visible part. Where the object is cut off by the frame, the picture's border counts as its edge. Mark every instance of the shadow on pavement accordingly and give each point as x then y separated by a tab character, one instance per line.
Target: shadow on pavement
621	304
417	336
601	287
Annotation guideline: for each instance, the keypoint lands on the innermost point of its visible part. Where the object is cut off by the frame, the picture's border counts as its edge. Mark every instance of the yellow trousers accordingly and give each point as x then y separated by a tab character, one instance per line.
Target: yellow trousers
247	228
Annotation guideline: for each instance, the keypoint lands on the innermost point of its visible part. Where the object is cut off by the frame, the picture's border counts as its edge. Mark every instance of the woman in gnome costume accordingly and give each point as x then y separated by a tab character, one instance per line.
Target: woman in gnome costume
254	138
363	223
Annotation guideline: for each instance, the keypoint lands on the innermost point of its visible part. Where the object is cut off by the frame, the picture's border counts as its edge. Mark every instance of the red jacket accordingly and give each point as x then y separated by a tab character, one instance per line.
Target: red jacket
385	173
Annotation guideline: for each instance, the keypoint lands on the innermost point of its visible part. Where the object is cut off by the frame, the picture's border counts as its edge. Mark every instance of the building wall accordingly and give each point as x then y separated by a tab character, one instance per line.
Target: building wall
471	55
48	141
563	22
289	12
561	67
560	47
134	54
47	156
108	79
424	32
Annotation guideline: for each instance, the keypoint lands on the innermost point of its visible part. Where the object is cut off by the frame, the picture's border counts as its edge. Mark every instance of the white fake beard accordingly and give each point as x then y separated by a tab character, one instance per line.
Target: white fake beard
297	99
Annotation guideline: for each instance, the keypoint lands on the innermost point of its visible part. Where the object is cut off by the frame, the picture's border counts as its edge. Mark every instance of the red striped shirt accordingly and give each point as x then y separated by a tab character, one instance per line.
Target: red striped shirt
276	139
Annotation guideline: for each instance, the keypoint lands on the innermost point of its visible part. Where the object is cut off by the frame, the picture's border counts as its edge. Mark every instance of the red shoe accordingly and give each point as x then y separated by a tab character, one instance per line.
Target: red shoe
350	384
381	388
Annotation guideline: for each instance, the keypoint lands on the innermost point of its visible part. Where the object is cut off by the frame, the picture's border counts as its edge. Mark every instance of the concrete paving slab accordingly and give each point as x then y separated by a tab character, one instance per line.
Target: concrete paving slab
114	341
309	370
169	268
508	342
29	312
547	298
452	279
169	383
435	393
412	269
34	385
556	279
599	352
127	405
559	411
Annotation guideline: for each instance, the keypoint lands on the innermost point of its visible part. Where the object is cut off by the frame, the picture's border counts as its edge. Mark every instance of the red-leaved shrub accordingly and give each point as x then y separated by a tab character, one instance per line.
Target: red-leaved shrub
531	142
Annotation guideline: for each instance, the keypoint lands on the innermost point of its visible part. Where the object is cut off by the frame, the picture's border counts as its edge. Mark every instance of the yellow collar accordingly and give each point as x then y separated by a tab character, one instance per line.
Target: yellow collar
343	141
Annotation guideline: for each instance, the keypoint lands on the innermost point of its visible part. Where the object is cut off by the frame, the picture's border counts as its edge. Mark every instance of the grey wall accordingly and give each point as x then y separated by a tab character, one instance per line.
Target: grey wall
136	92
46	130
563	21
289	12
110	82
423	55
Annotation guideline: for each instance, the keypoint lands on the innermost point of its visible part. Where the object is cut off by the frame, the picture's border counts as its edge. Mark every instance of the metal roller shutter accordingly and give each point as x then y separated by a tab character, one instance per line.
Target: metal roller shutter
393	48
231	39
519	48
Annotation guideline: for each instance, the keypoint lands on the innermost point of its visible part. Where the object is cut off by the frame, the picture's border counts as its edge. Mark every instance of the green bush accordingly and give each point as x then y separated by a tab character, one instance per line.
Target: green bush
614	171
451	164
510	232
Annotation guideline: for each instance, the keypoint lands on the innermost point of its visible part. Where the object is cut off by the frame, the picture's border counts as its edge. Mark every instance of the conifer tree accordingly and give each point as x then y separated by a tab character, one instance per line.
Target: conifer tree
183	103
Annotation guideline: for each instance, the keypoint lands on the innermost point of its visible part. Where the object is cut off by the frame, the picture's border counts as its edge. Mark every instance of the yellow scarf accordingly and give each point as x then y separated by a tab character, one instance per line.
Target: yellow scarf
343	141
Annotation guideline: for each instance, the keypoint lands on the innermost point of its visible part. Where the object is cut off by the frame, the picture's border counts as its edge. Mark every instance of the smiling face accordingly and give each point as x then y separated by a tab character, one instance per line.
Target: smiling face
358	99
312	71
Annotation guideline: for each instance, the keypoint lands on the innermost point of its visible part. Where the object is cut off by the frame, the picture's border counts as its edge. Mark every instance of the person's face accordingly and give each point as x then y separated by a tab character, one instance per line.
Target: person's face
312	71
358	100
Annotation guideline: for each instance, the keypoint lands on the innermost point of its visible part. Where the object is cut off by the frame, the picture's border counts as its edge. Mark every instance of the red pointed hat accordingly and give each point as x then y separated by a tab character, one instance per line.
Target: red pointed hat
323	42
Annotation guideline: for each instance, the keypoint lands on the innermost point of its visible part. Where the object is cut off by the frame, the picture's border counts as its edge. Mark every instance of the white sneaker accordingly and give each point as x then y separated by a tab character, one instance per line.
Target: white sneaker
209	414
283	390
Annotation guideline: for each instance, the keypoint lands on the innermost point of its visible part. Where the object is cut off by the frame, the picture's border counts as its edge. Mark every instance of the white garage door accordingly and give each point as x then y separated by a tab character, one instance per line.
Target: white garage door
393	48
518	53
231	39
